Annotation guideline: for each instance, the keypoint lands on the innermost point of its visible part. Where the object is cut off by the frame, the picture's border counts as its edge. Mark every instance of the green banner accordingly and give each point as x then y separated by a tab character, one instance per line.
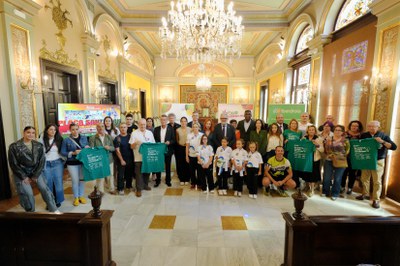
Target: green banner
289	112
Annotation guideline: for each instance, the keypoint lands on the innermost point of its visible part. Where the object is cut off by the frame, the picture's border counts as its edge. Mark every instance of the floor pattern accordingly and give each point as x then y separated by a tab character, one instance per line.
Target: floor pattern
179	226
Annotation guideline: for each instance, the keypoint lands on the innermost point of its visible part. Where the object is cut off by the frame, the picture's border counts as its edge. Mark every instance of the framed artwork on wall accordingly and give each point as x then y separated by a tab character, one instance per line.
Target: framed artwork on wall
133	99
206	102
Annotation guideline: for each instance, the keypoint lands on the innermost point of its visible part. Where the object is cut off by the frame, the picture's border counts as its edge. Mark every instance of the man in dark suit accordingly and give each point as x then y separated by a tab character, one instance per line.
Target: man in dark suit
195	117
224	129
245	126
279	120
165	134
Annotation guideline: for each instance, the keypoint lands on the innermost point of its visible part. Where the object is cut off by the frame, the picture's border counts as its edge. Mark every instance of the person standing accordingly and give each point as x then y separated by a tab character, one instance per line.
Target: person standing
337	148
70	148
101	139
224	129
195	120
142	135
254	169
192	142
330	119
182	166
171	121
245	126
129	122
26	159
125	162
387	144
222	161
280	121
165	134
110	128
239	161
304	123
274	139
205	154
354	131
209	131
259	136
150	124
54	168
315	176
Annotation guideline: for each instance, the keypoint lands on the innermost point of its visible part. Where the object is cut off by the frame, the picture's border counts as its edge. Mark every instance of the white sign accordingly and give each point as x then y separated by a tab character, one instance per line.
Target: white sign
234	111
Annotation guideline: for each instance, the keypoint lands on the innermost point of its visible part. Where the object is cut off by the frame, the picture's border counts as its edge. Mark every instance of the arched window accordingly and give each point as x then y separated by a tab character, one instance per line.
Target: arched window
305	36
352	10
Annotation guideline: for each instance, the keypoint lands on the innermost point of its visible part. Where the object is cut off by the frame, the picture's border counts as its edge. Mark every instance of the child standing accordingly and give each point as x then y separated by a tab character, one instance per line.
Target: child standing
253	169
239	160
222	157
274	139
205	154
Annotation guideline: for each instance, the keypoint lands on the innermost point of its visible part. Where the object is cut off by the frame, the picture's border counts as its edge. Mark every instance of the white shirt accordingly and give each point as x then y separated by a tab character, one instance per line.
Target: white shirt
254	160
53	154
240	157
246	125
223	156
303	128
205	152
102	139
163	132
141	137
274	141
194	142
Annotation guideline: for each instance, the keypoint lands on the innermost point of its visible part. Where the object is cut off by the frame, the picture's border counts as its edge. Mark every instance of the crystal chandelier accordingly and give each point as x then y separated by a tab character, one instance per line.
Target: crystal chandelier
201	31
203	84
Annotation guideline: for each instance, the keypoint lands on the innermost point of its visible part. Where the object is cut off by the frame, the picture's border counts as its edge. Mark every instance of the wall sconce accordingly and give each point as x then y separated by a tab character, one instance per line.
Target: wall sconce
100	92
376	83
31	84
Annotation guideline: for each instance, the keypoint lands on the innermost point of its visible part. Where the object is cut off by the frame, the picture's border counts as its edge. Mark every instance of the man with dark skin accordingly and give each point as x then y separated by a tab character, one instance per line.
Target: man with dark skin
246	125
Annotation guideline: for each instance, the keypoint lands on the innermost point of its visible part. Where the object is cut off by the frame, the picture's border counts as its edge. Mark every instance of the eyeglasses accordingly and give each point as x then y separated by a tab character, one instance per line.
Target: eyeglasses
338	130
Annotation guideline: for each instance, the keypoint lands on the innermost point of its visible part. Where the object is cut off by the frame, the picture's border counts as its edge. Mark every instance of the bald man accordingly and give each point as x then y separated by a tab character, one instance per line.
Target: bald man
386	144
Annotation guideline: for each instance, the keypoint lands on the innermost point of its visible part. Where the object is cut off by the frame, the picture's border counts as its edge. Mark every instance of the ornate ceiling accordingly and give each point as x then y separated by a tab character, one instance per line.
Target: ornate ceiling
263	20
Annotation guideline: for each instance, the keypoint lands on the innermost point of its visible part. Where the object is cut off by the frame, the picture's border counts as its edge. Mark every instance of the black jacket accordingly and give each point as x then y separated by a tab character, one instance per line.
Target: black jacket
218	135
25	163
245	135
169	136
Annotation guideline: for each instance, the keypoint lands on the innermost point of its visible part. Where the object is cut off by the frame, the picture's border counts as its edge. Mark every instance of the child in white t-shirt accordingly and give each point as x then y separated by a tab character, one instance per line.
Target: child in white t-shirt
222	160
239	160
205	154
253	169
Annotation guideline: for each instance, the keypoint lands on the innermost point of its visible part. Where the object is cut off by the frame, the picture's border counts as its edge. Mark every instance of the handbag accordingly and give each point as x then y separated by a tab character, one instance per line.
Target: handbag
339	162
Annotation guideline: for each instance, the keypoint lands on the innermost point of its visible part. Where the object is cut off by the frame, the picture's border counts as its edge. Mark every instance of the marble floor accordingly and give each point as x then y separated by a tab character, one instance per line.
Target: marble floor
180	226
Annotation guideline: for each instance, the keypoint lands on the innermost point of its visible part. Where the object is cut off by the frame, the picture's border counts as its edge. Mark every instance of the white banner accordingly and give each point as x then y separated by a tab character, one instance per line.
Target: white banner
234	111
179	109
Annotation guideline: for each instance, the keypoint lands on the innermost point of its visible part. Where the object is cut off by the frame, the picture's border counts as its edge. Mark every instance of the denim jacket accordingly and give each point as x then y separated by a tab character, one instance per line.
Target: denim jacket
25	163
68	147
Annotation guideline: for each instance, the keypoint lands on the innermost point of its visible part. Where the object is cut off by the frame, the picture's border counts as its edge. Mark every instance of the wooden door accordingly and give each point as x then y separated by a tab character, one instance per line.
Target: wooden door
143	103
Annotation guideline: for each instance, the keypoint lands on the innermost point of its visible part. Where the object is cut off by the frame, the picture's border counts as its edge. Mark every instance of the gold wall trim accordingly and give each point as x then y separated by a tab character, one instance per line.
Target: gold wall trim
59	56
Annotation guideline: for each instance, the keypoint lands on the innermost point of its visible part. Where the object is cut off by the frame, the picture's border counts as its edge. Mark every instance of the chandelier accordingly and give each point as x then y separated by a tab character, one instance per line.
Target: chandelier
201	31
203	84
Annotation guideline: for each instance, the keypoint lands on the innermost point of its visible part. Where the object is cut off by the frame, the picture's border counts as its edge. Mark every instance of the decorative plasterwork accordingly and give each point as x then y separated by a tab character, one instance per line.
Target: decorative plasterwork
106	43
61	21
390	40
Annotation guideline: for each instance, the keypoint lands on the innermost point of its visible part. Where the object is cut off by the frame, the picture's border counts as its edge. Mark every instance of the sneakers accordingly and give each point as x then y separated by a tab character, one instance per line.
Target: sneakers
224	192
186	183
212	191
239	194
76	202
121	193
282	192
251	196
334	198
235	193
82	200
310	193
349	191
375	204
182	183
220	193
254	196
205	191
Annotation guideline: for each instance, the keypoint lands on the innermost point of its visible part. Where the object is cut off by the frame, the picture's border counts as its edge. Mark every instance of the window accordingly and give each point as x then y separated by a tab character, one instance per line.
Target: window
305	37
352	10
301	81
264	101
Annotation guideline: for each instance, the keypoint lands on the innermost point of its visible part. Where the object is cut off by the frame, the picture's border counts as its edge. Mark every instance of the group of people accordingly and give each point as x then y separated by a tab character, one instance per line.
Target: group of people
248	151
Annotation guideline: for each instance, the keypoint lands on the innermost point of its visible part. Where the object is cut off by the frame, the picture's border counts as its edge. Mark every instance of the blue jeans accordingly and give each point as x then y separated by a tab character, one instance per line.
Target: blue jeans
53	172
26	197
337	173
78	186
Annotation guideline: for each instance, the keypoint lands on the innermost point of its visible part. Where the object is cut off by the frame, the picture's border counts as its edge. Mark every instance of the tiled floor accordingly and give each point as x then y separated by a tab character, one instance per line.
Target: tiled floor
178	226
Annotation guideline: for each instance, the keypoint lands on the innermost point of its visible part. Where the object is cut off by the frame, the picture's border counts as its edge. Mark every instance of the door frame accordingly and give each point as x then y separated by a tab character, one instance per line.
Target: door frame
112	82
5	187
